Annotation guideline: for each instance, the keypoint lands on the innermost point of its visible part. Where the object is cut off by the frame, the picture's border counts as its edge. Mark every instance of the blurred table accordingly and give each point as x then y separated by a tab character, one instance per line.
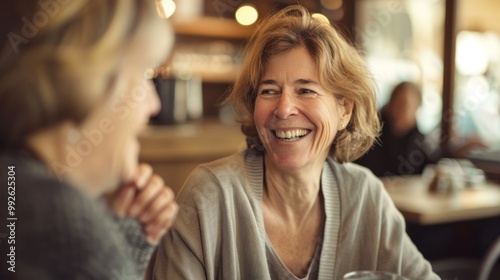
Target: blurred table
413	199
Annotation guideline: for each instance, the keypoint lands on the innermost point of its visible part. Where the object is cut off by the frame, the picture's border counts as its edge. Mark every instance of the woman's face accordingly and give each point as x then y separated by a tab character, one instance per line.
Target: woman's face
296	118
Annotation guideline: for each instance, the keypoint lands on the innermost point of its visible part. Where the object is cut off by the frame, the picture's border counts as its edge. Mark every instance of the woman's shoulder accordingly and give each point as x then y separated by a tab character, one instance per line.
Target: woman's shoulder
351	171
352	177
359	190
216	193
233	164
216	176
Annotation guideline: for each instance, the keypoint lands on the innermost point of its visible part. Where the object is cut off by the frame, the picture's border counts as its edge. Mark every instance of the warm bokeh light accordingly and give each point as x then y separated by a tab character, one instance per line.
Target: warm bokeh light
166	8
332	4
246	15
321	17
471	56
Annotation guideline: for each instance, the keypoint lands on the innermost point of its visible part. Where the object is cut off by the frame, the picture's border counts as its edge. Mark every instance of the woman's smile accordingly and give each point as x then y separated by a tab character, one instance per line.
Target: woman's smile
290	135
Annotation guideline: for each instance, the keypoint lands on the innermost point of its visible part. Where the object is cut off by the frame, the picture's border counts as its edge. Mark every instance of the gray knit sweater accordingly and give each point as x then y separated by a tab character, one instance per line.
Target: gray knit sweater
61	233
220	234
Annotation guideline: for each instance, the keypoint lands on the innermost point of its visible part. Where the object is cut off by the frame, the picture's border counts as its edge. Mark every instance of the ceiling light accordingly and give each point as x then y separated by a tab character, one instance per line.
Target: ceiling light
246	15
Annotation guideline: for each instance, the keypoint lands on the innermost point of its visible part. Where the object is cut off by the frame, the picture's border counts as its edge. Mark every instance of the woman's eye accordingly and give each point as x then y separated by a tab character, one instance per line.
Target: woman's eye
268	92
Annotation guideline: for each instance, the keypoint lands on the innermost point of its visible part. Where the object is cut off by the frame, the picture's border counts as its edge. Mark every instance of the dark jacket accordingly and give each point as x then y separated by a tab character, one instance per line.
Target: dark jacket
398	155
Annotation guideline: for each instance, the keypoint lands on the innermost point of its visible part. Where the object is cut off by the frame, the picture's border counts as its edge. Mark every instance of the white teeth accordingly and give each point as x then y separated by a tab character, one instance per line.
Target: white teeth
291	134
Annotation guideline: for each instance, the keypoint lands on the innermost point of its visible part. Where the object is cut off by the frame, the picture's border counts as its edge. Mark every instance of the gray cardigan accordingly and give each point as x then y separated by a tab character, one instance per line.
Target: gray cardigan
220	234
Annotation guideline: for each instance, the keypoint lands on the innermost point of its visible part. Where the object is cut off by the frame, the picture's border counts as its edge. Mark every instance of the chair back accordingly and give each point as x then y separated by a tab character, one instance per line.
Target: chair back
489	261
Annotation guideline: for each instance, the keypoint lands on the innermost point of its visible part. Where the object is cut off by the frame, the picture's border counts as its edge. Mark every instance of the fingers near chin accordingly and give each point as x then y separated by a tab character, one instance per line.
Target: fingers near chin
160	203
164	220
143	175
146	196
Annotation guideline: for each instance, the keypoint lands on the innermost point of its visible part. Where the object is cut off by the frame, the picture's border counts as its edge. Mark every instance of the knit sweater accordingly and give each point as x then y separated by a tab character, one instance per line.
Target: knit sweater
220	232
61	233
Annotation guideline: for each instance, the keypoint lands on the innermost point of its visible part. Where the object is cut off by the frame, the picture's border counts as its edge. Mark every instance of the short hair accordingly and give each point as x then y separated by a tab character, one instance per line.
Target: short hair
61	57
342	71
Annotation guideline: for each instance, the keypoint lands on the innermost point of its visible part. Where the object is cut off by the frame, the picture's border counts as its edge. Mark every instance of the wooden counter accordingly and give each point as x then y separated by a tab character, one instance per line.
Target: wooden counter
174	151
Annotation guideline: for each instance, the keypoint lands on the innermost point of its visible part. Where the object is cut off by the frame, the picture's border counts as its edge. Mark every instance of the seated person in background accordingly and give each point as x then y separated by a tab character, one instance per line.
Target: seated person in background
73	100
291	206
402	149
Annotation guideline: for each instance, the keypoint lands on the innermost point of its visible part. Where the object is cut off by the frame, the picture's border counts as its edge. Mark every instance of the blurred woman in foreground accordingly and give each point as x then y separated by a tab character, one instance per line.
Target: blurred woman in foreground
74	99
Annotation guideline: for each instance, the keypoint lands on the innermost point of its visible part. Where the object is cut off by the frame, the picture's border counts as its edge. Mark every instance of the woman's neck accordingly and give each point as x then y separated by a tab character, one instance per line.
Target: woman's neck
293	196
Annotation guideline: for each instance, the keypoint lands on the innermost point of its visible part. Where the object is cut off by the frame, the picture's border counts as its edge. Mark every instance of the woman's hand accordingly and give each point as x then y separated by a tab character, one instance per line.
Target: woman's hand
149	201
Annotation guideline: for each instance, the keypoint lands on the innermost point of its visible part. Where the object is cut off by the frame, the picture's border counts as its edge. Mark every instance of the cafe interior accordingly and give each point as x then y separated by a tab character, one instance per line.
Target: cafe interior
450	48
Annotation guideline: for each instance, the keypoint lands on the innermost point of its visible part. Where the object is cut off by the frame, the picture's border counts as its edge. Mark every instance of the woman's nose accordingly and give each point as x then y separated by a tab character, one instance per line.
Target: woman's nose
286	105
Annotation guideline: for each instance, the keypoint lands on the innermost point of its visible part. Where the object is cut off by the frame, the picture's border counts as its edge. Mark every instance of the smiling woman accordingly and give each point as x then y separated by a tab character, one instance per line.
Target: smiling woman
295	117
291	206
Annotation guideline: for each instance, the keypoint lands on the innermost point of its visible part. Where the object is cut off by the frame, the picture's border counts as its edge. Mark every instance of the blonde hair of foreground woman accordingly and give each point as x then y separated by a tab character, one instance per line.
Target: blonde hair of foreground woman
63	58
342	72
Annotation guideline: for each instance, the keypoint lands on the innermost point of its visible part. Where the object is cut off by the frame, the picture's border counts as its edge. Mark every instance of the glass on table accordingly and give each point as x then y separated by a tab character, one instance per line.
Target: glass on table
372	275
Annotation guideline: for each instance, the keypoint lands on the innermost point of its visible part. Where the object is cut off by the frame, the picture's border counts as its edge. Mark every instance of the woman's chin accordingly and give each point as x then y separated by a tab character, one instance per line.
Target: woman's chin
288	162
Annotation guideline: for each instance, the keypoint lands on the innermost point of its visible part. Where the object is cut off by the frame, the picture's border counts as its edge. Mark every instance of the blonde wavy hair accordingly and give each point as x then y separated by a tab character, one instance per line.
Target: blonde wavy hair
61	58
342	71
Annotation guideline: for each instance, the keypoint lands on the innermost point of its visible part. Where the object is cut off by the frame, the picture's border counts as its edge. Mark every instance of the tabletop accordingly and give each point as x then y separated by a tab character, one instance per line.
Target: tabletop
413	199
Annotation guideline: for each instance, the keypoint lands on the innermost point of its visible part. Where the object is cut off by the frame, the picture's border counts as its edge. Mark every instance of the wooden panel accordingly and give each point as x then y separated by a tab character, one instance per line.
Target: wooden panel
449	44
212	27
479	15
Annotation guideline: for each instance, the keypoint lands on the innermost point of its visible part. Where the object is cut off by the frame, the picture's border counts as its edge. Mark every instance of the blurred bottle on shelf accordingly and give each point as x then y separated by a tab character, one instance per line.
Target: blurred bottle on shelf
181	98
